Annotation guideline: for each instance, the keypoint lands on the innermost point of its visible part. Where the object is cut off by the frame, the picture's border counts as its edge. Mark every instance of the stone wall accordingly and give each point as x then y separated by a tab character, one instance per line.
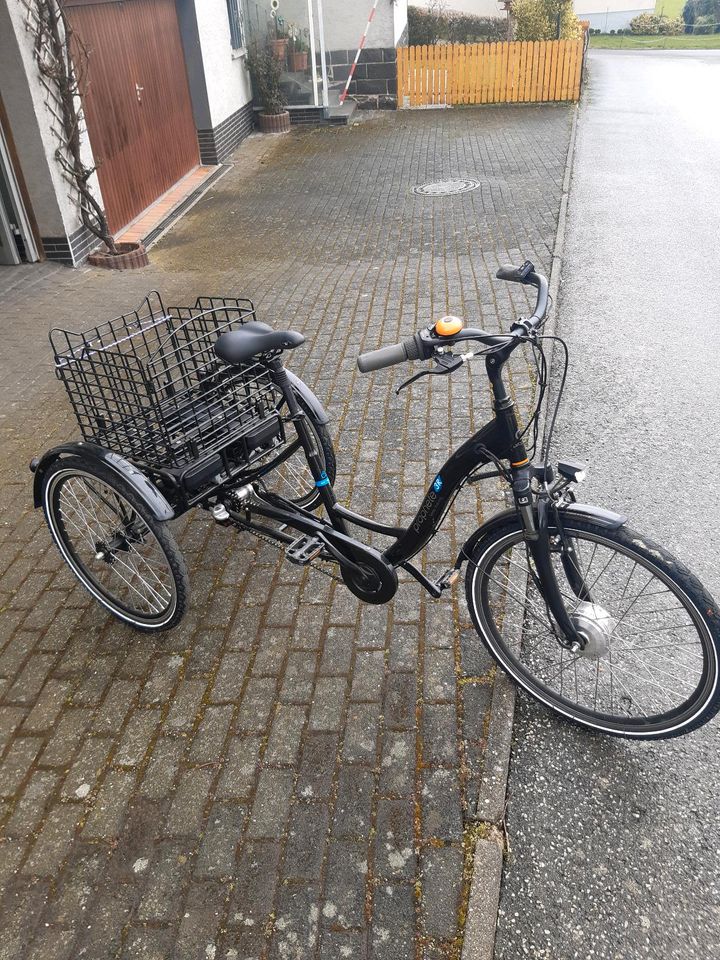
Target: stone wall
374	83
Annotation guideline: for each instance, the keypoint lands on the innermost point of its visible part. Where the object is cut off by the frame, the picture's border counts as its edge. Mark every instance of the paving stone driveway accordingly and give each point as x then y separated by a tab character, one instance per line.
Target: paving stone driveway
287	774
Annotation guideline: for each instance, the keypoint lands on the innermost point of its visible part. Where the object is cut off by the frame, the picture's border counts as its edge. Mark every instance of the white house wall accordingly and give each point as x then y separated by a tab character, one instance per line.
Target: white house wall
63	236
220	87
615	15
226	76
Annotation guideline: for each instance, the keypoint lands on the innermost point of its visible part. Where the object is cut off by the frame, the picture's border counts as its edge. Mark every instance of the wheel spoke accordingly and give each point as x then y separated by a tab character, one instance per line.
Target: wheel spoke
638	661
112	547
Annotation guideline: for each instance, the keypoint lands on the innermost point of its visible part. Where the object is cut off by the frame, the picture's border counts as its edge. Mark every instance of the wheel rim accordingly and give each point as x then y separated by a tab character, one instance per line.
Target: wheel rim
111	549
649	663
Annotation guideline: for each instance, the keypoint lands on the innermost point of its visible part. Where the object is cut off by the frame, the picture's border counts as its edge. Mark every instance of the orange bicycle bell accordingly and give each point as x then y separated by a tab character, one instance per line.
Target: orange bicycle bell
448	326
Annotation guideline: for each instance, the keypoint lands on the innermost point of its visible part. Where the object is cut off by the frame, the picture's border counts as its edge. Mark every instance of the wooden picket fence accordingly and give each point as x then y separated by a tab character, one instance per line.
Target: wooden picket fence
518	72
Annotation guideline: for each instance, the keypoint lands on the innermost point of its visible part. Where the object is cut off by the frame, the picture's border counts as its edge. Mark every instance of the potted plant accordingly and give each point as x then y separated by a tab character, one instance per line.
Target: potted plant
279	44
298	53
266	70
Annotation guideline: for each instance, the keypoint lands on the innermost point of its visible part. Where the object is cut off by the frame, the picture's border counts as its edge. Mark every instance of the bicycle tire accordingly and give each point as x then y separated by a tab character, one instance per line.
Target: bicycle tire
698	707
101	567
309	499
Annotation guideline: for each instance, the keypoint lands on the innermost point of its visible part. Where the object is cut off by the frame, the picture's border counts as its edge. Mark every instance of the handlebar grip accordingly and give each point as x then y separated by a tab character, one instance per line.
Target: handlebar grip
511	273
541	306
389	356
527	275
384	357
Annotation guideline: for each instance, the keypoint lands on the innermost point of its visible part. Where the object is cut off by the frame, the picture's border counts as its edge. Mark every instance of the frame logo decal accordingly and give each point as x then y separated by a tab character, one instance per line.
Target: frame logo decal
438	484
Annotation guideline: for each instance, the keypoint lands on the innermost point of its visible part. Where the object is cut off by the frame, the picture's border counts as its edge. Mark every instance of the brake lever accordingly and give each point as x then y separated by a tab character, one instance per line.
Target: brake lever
446	363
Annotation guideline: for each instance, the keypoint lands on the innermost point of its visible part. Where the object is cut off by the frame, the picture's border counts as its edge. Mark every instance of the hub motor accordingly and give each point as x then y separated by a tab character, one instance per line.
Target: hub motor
596	625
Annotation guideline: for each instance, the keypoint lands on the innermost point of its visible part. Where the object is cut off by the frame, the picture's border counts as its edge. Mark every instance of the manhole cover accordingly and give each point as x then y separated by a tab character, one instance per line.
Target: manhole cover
446	188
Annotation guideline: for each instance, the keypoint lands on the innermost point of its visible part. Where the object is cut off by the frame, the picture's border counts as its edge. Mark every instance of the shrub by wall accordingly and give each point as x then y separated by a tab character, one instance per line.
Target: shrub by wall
537	20
650	25
447	26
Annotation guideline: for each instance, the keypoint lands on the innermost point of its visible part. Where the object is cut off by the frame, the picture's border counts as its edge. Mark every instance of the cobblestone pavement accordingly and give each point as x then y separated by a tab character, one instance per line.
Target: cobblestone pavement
286	774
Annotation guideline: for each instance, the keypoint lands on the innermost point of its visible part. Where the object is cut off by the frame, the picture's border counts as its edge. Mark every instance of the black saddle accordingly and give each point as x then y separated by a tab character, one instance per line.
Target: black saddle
253	338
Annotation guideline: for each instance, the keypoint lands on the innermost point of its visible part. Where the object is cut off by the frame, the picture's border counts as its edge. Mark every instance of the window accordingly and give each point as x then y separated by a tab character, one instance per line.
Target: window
237	25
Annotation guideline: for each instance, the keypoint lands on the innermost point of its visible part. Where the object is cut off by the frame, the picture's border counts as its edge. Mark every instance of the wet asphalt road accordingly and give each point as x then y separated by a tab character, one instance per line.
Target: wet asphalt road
615	846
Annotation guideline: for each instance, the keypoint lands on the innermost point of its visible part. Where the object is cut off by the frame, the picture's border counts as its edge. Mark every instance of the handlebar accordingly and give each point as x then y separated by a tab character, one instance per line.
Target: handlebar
526	275
422	345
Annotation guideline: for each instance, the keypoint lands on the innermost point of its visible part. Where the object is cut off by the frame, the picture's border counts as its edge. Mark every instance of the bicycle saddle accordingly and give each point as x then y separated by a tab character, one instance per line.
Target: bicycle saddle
253	338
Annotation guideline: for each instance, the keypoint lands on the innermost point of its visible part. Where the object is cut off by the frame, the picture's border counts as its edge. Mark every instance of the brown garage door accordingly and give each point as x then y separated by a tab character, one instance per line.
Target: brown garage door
137	106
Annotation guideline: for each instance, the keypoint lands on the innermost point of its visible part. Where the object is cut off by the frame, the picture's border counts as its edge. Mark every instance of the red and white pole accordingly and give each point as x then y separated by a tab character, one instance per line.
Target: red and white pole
357	55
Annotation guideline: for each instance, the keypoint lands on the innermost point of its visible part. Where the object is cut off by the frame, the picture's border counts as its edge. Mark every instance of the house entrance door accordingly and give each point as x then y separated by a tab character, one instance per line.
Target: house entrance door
137	106
8	247
16	237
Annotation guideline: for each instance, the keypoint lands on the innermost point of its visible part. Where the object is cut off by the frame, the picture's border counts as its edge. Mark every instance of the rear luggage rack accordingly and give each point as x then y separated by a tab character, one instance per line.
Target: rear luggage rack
149	386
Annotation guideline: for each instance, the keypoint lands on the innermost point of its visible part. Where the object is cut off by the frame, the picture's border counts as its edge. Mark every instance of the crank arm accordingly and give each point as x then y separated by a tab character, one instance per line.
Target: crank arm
340	546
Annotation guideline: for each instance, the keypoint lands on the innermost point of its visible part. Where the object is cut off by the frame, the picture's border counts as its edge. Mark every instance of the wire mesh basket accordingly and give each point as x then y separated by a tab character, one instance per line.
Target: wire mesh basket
149	386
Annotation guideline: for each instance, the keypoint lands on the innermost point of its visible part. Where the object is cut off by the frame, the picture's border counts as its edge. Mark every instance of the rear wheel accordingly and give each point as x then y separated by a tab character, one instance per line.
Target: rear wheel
293	479
649	668
124	557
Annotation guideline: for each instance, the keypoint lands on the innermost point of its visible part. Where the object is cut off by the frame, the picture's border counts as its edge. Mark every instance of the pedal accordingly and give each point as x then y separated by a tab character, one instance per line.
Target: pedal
450	577
304	550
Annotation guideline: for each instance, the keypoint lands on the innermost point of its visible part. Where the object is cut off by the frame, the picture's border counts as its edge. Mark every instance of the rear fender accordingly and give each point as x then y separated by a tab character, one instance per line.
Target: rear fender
308	398
577	511
140	484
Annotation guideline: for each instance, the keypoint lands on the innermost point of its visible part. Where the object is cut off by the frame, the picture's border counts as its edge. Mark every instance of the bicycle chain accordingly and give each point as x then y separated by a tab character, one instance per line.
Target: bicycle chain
277	546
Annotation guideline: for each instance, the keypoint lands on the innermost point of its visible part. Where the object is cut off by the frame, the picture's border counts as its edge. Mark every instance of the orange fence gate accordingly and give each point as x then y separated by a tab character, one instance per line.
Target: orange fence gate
518	72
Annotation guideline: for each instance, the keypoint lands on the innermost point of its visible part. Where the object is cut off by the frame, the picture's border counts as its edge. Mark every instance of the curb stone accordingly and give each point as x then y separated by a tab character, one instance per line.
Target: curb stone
484	897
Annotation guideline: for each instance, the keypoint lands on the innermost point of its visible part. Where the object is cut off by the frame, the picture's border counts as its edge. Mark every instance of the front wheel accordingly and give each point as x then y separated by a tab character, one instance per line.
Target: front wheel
124	557
649	667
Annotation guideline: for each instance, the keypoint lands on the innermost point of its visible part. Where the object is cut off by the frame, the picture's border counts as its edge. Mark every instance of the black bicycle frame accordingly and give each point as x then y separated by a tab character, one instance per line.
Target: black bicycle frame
498	439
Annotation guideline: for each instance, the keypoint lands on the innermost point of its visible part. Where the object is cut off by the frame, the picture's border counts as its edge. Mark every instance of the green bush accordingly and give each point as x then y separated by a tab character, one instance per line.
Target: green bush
701	14
537	20
266	70
440	26
645	24
650	25
704	24
670	26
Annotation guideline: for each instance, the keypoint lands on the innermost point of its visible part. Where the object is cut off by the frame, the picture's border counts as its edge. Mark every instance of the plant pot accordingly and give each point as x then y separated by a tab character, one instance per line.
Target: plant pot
274	122
279	48
130	256
298	61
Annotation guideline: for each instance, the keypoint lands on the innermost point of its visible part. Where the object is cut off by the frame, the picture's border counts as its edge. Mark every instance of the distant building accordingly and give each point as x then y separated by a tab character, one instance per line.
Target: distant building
607	15
603	15
480	8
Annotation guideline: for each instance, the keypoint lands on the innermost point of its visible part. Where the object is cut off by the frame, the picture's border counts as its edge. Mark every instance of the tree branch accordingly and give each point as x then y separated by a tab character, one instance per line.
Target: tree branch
63	59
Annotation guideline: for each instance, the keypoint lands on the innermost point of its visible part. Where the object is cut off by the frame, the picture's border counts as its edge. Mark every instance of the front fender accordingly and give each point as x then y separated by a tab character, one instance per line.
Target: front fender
581	511
147	491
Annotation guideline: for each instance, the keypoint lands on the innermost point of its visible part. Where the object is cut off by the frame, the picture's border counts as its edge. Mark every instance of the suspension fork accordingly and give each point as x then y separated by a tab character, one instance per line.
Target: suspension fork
537	539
